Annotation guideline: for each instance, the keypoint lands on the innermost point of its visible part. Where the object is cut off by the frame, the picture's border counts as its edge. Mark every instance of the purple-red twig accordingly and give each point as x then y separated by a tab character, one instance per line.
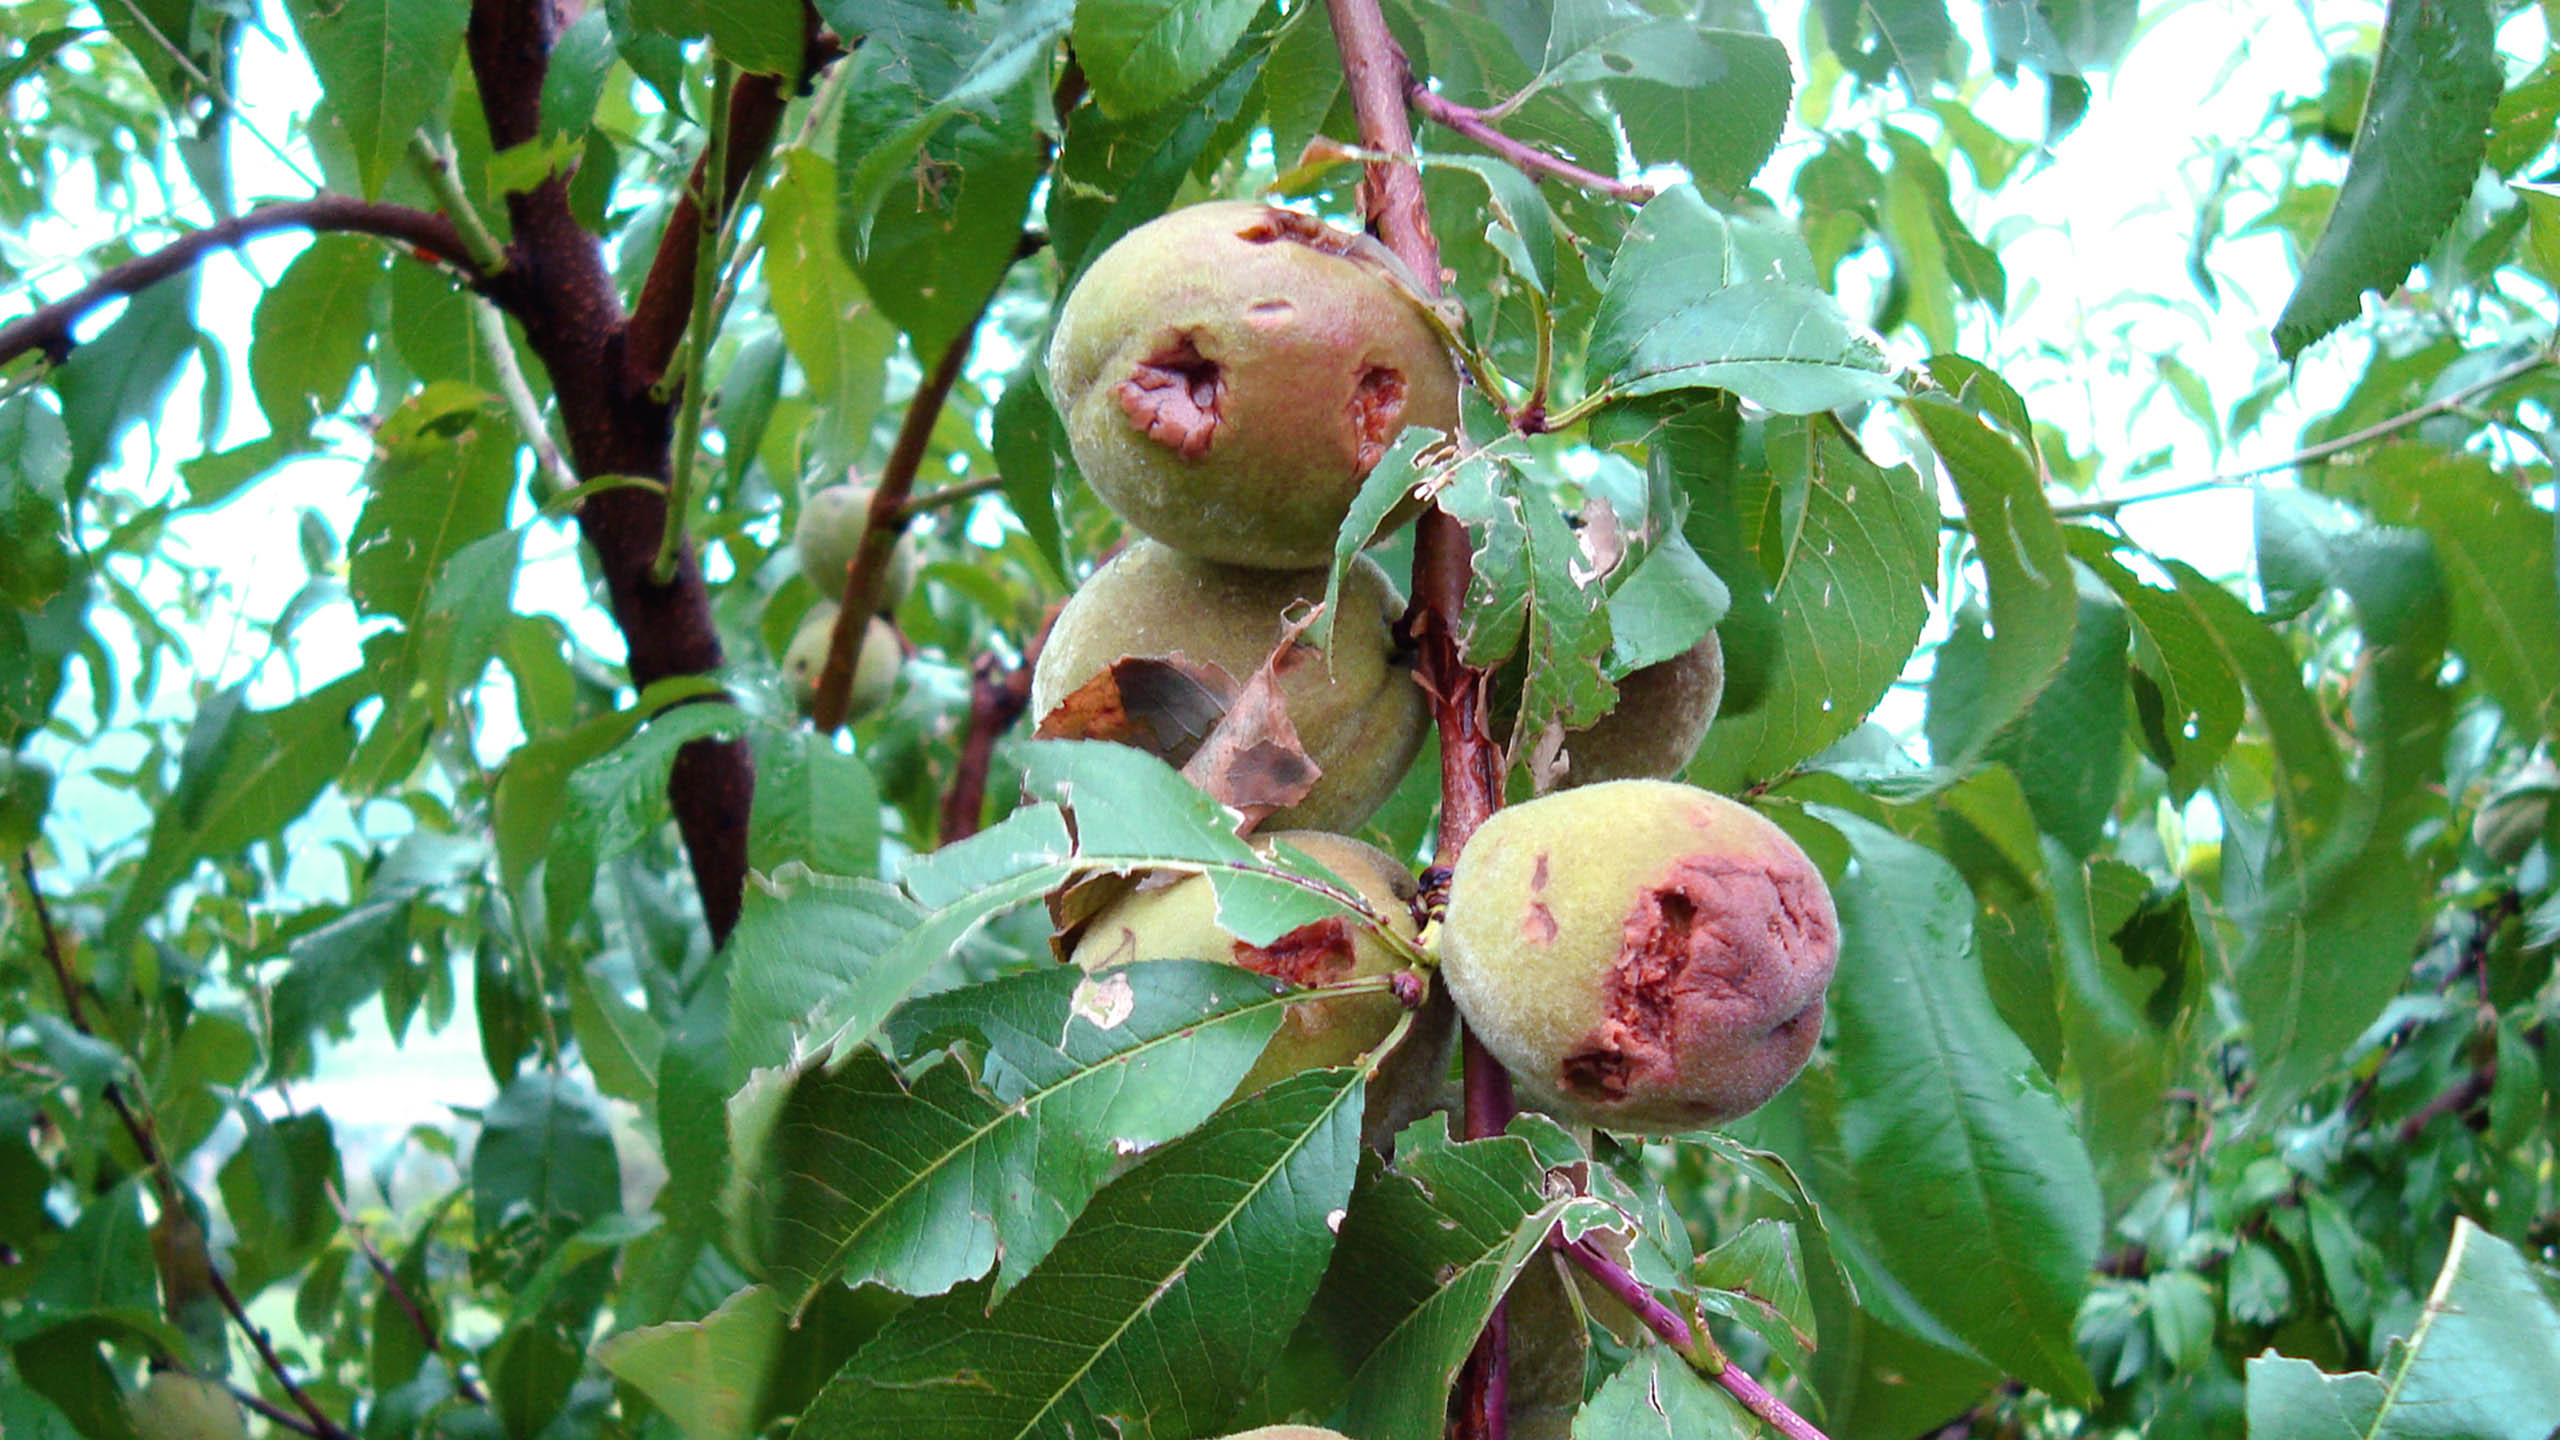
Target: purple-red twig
1477	125
1693	1346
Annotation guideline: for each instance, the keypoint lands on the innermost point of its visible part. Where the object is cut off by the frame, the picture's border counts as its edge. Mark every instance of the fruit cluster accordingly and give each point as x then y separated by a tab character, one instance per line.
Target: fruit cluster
1641	955
832	520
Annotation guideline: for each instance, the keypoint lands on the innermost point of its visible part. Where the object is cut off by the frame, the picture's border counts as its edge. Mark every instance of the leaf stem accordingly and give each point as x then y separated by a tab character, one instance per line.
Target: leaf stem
435	161
695	366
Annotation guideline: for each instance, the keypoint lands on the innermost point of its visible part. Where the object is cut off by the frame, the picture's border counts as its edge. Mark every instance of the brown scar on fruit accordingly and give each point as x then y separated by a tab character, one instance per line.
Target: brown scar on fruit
1301	229
1377	412
1538	927
1719	943
1174	395
1312	954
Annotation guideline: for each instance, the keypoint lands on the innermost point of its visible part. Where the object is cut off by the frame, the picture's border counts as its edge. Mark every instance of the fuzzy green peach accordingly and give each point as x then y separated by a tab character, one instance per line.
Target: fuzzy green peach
1360	716
1641	955
1178	920
1662	714
875	669
830	530
1231	372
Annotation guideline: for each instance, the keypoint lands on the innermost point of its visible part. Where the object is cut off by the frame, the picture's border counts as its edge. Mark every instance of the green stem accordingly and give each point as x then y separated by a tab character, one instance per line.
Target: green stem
697	350
435	161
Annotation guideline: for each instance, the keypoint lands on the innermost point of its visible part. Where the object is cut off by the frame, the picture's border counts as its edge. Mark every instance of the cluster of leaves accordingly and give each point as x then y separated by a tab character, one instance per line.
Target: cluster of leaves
2109	1108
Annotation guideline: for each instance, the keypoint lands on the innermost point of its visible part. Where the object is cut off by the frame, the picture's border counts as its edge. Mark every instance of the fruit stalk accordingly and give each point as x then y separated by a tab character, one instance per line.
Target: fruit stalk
1375	72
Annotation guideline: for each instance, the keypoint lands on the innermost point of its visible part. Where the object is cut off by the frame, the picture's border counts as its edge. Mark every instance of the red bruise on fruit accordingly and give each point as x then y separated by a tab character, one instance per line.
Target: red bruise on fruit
1314	953
1172	395
1723	946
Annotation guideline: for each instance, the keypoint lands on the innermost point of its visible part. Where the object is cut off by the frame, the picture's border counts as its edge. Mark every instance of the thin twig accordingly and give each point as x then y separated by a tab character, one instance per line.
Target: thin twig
501	350
867	576
2309	454
438	166
273	1413
1694	1345
399	1293
164	1176
48	327
950	495
1477	125
998	694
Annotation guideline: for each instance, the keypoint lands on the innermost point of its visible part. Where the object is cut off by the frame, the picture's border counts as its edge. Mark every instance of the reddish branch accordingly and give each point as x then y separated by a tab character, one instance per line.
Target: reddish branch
1477	125
48	328
867	577
1375	72
998	694
1662	1320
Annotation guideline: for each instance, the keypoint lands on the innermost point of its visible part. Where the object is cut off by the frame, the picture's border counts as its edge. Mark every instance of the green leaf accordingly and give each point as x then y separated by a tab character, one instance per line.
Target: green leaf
920	1182
2418	149
2484	1361
1029	445
1698	299
1429	1246
385	67
1140	54
1115	173
256	771
2116	1060
1853	570
1170	1296
707	1375
840	338
1996	1216
35	459
814	804
446	470
2034	597
1711	101
119	379
1532	588
2495	548
801	938
276	1189
1915	37
313	328
932	253
2067	748
545	1160
1658	1397
2187	703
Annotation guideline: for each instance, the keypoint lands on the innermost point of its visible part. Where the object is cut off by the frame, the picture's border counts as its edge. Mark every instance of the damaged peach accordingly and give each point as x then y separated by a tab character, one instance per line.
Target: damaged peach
1231	372
1179	921
1641	955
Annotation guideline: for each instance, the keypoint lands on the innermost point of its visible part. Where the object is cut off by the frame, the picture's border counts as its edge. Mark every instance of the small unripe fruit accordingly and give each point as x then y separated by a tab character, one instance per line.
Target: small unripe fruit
1662	713
875	669
830	530
1179	921
174	1406
1641	955
2515	816
1361	717
1229	374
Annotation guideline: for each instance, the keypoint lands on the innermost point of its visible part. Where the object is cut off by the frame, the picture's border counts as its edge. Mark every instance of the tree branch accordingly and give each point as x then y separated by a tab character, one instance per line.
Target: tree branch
998	694
1477	125
756	104
1375	72
48	327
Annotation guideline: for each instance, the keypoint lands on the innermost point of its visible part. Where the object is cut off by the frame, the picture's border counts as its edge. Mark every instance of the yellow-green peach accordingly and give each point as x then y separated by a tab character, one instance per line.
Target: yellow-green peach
1178	920
1360	716
1231	372
1641	955
175	1406
875	669
830	530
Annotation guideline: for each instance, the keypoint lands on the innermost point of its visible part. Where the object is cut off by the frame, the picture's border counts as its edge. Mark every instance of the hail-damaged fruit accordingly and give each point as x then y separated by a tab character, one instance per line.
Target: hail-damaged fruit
1231	372
1176	918
875	668
1359	715
1641	955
